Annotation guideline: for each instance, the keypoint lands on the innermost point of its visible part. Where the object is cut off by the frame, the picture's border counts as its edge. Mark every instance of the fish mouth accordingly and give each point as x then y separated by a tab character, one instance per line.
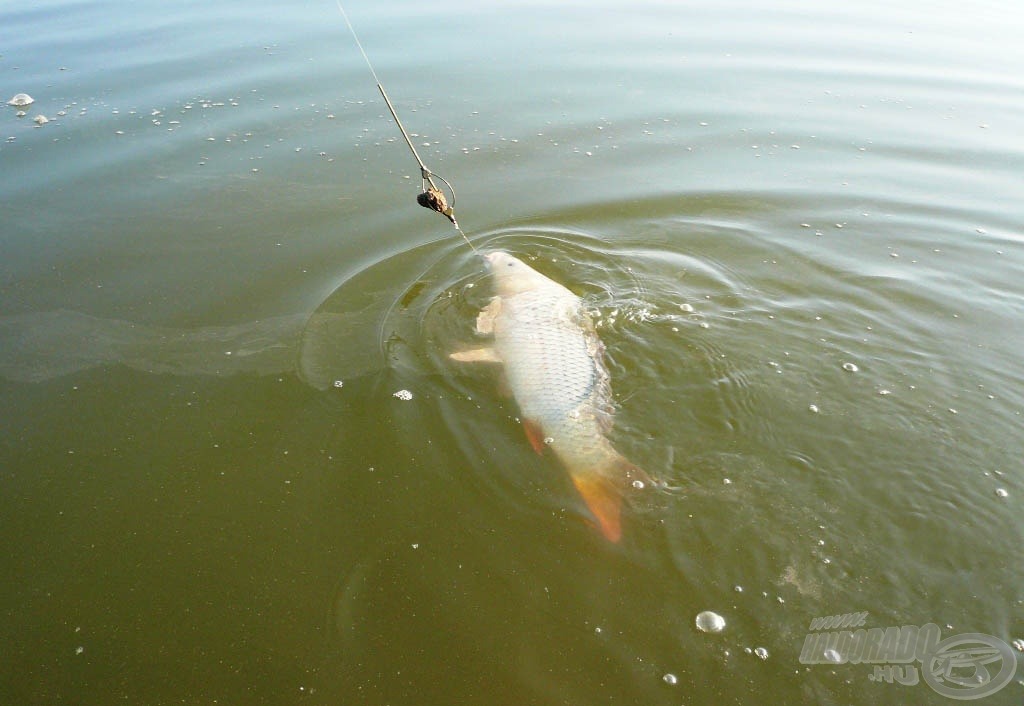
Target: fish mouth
494	257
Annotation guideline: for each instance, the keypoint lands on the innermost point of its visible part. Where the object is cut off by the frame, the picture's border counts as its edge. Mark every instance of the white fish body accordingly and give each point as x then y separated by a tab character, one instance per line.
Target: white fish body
553	362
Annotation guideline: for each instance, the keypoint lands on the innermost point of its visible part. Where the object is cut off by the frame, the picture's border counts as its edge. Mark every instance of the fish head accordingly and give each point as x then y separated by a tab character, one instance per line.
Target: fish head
499	259
512	275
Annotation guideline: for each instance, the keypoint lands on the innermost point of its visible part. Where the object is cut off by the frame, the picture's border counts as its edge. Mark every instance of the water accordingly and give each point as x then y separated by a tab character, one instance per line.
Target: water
798	229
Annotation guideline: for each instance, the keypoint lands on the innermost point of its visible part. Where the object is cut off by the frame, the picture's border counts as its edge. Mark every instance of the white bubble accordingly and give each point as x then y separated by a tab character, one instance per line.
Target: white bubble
709	621
761	652
833	656
339	383
1001	492
638	484
813	408
403	395
1018	644
670	679
850	367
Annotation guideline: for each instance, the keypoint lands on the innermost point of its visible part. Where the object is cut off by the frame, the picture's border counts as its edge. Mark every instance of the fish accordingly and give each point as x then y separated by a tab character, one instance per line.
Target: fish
553	365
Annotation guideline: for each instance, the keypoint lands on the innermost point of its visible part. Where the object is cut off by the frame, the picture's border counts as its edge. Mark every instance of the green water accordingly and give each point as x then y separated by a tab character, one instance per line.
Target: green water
798	228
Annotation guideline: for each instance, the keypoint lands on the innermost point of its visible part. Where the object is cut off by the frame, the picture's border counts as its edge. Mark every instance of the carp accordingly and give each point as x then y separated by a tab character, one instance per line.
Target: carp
554	368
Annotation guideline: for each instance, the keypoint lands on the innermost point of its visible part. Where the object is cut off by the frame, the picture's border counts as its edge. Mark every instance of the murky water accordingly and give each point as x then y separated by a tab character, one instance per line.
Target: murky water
798	228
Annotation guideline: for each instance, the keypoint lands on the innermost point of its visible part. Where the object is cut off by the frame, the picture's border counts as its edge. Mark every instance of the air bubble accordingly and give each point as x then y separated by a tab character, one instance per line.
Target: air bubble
850	367
709	621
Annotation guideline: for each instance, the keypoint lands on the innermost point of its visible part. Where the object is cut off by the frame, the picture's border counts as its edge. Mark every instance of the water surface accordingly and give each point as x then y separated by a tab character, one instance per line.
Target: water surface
797	227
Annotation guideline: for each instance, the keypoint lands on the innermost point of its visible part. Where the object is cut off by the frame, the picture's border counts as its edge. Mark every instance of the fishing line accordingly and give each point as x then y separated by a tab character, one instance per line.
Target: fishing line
432	197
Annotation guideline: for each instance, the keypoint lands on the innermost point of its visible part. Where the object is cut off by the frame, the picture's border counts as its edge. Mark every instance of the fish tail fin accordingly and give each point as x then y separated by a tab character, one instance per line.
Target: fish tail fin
603	489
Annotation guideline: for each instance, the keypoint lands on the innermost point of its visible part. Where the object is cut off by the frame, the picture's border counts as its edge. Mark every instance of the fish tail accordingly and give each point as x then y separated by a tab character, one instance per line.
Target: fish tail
603	489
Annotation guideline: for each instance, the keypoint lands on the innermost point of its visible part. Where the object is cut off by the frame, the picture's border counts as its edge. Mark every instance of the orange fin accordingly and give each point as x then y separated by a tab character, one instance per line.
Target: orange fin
603	490
534	434
604	499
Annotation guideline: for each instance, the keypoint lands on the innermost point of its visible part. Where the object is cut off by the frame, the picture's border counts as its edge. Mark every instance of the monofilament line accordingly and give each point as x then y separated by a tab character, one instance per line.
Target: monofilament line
423	168
425	173
356	37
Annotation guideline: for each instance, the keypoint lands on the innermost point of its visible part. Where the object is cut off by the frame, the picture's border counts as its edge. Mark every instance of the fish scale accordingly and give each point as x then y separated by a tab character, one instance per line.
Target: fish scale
555	355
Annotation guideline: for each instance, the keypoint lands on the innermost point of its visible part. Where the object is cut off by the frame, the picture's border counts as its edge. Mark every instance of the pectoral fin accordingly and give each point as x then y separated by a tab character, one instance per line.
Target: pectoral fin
485	319
477	355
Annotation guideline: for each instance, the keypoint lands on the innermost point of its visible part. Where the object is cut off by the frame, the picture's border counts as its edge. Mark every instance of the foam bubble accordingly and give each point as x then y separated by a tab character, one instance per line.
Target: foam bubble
709	621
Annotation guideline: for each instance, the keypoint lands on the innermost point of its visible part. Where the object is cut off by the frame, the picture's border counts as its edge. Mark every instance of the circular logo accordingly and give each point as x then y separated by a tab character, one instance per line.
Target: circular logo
961	666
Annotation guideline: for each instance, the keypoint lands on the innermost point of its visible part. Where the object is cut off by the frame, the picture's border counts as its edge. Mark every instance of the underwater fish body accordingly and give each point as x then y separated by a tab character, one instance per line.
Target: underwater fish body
554	368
